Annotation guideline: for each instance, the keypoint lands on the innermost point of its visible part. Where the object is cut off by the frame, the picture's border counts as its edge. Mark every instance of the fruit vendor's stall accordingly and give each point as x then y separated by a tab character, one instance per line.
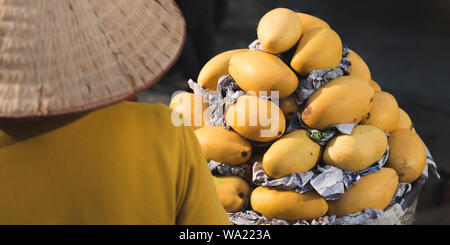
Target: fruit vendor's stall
296	131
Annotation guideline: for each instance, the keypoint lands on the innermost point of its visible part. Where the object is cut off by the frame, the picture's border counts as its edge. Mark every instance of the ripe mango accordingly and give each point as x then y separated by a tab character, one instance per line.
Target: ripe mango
346	99
215	68
407	154
357	151
359	66
318	48
375	191
376	87
258	71
256	119
404	121
279	30
192	109
288	204
310	22
224	146
233	192
289	107
384	113
295	152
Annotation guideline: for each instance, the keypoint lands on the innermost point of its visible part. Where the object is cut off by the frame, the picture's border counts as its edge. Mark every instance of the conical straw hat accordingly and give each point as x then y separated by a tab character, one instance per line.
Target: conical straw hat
66	56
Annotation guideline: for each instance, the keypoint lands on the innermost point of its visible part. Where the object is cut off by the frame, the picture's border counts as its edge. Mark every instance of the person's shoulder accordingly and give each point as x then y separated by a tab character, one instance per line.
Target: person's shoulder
145	117
146	109
156	113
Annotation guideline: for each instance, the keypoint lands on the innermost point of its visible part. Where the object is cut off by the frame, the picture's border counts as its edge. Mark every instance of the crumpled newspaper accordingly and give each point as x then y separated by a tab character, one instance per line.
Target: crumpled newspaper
227	93
345	62
250	217
295	181
318	78
315	80
256	45
402	189
228	170
328	181
431	164
359	218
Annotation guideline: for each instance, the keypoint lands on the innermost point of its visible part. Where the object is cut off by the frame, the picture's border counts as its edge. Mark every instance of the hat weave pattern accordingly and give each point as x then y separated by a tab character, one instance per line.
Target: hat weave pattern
66	56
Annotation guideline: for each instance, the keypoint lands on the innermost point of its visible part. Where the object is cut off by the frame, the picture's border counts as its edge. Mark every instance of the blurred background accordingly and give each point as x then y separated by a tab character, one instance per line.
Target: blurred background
405	43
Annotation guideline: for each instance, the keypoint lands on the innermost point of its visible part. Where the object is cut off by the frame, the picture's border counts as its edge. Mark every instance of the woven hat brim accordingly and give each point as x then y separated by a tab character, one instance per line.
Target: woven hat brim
129	66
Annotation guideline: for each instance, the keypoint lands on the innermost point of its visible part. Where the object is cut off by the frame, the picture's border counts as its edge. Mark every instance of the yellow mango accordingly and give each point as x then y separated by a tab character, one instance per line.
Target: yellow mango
375	191
215	69
407	154
288	204
258	71
310	22
192	109
233	192
256	119
384	113
359	67
279	30
289	107
357	151
295	152
224	146
318	48
376	87
346	99
404	121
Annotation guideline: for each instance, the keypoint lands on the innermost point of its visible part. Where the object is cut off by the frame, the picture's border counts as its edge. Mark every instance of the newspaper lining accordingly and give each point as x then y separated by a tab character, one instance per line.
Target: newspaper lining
328	181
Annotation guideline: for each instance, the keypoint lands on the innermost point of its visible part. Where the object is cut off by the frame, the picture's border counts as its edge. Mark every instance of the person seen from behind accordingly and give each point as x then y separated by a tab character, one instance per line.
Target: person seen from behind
72	152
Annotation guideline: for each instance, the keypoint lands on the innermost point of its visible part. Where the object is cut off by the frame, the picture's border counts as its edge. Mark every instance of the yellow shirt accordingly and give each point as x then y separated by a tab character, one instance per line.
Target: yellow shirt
124	164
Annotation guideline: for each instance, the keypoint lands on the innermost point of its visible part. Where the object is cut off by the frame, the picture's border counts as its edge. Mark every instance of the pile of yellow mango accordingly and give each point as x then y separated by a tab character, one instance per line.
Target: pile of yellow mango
352	98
